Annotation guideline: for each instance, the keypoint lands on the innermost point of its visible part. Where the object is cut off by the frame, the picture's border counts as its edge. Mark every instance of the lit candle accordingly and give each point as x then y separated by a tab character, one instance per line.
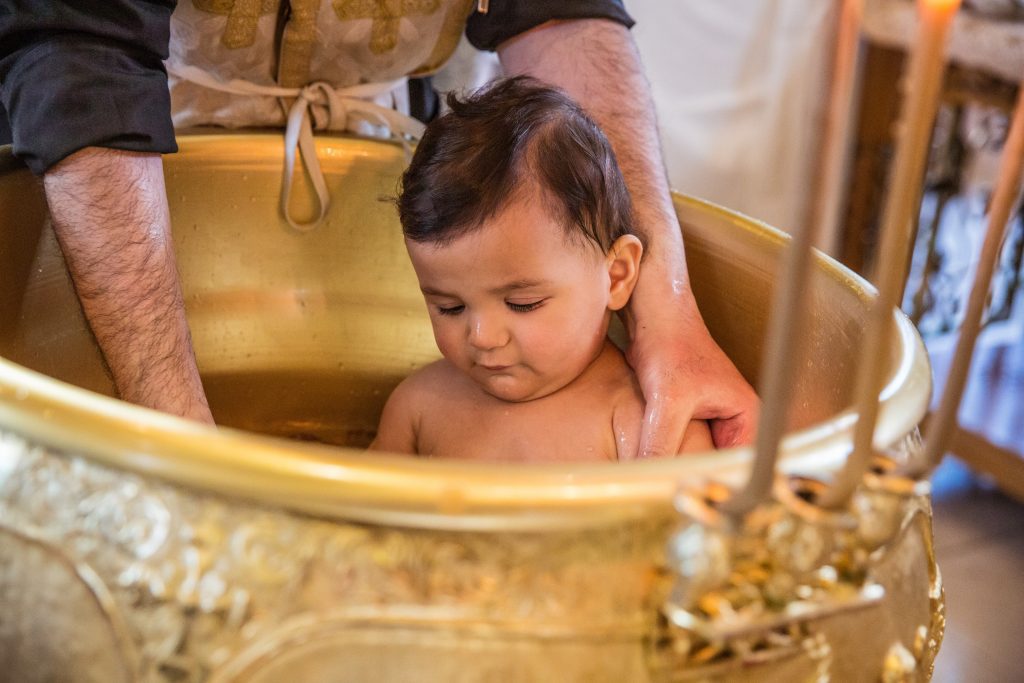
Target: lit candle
922	86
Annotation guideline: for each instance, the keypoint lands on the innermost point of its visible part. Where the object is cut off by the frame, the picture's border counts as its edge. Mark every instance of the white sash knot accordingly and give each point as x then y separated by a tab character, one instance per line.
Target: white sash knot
353	102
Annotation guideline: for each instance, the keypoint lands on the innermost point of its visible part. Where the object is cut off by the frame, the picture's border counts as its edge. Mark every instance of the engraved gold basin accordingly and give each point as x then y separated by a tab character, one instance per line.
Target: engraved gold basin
137	546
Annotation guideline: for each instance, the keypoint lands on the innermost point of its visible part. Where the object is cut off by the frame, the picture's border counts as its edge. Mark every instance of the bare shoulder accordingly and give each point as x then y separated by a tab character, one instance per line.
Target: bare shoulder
628	415
403	412
621	379
427	384
627	406
430	375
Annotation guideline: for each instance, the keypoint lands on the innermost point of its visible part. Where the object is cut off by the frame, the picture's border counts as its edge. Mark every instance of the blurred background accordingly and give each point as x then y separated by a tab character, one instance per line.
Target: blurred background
742	90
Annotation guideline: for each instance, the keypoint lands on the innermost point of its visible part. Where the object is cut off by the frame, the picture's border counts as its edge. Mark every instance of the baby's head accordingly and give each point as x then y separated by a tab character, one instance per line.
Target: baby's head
511	138
520	229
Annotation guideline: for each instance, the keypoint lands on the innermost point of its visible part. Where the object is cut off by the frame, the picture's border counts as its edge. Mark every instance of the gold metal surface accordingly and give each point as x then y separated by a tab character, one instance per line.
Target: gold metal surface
225	553
305	336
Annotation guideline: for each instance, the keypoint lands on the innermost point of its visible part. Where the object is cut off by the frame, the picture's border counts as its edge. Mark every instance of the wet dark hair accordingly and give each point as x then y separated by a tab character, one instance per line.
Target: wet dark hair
503	139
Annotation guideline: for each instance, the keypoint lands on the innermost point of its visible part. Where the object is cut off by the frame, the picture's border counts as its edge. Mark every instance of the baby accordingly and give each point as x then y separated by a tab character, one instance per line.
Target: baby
520	230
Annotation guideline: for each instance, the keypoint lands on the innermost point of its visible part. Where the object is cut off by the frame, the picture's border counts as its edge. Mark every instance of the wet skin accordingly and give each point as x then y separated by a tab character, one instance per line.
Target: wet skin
520	311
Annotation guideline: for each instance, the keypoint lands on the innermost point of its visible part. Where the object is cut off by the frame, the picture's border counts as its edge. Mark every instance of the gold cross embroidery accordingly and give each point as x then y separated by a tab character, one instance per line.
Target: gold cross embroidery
243	16
386	15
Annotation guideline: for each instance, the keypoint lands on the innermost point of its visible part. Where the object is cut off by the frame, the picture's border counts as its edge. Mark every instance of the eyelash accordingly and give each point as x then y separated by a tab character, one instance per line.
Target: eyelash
454	310
524	308
518	308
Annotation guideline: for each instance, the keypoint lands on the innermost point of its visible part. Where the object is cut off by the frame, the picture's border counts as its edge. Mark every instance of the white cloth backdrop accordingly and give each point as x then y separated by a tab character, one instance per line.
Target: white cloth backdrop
740	88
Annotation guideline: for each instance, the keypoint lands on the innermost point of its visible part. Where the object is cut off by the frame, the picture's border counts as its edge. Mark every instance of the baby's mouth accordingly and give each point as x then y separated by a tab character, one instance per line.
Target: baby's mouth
493	368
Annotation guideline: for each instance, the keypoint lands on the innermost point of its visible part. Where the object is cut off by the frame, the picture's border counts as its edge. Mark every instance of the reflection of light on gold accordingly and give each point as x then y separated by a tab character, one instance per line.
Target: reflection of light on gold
904	370
10	452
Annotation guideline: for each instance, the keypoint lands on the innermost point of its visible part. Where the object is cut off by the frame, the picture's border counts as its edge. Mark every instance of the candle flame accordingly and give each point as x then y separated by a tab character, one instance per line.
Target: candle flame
939	6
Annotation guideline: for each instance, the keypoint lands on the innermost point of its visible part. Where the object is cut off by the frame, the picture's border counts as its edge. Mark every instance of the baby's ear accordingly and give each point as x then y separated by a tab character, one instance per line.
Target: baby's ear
623	262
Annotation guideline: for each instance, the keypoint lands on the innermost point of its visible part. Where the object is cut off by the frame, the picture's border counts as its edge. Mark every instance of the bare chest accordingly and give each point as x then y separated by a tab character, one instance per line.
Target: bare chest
592	429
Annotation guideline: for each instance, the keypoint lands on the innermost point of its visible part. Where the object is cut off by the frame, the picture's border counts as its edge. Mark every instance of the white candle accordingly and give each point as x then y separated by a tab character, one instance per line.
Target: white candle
824	204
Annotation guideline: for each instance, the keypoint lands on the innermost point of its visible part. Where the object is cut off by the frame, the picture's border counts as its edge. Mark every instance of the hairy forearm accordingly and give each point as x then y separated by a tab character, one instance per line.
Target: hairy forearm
110	215
597	63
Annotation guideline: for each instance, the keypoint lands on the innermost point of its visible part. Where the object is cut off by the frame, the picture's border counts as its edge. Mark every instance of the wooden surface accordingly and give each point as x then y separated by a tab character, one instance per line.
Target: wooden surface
979	540
878	109
976	42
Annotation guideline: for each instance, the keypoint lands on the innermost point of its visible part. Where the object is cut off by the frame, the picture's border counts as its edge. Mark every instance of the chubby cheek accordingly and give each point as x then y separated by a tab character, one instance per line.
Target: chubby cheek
564	341
448	339
541	345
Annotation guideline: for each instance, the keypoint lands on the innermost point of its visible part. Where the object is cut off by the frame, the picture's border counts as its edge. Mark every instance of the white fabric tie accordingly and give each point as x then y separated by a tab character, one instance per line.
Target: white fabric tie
340	102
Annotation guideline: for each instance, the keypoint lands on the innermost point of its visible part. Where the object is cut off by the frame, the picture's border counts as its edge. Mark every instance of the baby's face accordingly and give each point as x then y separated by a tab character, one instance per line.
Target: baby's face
514	305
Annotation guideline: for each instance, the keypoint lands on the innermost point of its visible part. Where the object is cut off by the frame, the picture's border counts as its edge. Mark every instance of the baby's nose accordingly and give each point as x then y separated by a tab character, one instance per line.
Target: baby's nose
487	332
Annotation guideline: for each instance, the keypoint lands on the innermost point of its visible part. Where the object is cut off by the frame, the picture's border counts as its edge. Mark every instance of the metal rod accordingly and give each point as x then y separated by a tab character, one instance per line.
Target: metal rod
923	83
789	312
832	161
944	420
789	305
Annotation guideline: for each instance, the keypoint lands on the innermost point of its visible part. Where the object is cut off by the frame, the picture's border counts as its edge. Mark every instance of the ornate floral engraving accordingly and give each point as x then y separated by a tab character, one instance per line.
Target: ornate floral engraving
781	574
210	588
198	577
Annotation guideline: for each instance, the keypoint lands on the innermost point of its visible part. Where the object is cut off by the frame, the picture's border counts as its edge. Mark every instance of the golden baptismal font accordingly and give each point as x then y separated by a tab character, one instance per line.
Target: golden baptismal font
138	546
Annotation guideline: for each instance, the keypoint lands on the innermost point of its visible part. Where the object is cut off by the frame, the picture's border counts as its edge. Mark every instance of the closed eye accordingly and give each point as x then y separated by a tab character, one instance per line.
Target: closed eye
524	308
450	310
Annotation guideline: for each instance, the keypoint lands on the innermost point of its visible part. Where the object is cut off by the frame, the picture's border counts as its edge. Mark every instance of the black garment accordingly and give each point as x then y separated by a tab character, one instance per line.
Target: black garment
5	128
79	73
84	73
508	18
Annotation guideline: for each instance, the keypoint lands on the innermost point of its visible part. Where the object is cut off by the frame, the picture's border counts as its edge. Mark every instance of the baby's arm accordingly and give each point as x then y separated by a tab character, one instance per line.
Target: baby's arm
697	437
397	430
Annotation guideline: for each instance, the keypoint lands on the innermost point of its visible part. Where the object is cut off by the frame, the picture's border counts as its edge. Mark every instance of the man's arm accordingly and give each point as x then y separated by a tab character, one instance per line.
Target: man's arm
682	371
87	97
109	210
